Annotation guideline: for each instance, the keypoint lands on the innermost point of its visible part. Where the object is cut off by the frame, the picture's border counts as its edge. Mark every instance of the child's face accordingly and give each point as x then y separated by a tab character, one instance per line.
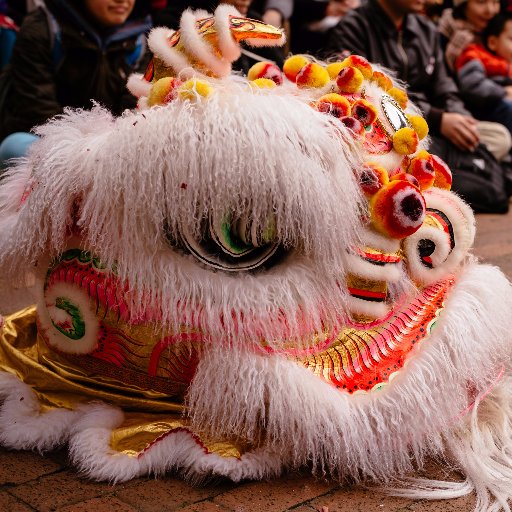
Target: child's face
479	12
502	45
110	12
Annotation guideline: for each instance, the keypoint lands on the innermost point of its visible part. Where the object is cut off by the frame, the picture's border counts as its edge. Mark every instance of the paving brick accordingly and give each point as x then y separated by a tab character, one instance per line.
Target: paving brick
151	495
11	504
466	503
360	500
106	504
56	491
20	466
203	506
273	496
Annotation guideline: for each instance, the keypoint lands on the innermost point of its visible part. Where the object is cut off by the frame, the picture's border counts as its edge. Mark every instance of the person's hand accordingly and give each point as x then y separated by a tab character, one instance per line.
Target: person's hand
273	17
508	90
461	130
340	7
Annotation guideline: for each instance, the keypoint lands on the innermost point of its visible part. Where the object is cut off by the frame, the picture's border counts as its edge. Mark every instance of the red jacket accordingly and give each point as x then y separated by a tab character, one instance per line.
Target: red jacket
493	65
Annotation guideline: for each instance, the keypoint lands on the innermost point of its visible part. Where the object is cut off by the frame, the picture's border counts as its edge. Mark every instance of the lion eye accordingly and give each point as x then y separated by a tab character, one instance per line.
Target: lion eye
394	114
232	244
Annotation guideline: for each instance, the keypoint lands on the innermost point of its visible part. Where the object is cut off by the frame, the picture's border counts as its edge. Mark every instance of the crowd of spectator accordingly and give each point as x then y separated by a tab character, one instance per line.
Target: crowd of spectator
456	58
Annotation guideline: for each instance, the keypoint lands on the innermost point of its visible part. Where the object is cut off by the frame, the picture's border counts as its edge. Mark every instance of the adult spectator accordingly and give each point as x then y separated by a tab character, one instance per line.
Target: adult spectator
67	54
395	34
311	21
464	25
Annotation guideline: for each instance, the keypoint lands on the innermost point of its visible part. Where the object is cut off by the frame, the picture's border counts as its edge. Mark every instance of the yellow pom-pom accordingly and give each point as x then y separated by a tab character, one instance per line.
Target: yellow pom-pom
422	153
420	126
360	63
312	75
263	83
405	141
349	80
163	91
292	66
265	70
334	68
192	89
382	80
399	95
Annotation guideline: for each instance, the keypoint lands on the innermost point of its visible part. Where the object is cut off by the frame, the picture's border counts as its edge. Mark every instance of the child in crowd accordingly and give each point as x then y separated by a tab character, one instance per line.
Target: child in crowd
484	72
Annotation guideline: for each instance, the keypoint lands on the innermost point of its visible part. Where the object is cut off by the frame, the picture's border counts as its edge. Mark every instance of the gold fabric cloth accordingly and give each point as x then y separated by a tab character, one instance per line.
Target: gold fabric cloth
149	415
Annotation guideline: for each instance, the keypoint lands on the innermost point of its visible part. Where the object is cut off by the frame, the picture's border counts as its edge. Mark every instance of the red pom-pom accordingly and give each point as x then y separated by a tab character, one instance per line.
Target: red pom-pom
355	126
372	178
422	169
398	209
364	112
443	177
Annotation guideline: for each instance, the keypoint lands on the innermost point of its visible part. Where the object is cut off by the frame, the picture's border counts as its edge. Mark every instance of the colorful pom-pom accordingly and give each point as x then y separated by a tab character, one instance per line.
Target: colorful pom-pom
163	91
422	169
193	89
443	177
263	83
398	209
265	70
364	111
405	141
334	104
420	126
405	177
400	96
349	80
382	80
292	66
312	75
360	63
372	178
355	126
334	69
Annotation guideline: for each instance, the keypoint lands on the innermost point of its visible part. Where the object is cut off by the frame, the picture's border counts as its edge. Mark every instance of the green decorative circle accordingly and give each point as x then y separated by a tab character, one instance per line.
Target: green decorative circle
77	329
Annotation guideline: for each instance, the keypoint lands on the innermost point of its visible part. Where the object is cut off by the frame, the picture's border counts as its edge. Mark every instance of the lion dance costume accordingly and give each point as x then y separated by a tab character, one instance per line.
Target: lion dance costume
250	274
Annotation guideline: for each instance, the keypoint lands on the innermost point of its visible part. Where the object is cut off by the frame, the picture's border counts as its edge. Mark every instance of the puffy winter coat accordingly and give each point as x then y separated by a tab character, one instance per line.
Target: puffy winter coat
482	76
90	65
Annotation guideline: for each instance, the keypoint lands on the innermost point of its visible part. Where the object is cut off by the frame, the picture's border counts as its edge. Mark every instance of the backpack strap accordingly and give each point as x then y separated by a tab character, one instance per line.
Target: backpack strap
55	39
136	56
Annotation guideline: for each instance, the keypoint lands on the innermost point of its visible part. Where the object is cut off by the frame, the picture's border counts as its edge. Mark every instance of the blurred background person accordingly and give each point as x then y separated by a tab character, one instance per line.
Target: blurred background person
484	73
67	54
464	25
311	22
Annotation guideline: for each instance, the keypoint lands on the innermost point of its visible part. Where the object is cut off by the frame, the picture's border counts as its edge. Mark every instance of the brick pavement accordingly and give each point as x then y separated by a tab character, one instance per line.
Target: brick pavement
29	481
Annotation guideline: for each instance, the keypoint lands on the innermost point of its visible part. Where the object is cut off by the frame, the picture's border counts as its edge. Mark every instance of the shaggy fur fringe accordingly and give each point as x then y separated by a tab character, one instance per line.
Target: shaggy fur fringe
378	436
130	184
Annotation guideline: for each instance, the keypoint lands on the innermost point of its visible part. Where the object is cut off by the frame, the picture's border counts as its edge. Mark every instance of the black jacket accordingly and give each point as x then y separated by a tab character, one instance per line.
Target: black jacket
477	88
414	53
89	66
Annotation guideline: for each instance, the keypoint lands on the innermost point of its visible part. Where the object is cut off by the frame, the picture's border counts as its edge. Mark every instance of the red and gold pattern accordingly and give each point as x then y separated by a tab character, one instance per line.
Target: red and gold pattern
130	348
366	356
